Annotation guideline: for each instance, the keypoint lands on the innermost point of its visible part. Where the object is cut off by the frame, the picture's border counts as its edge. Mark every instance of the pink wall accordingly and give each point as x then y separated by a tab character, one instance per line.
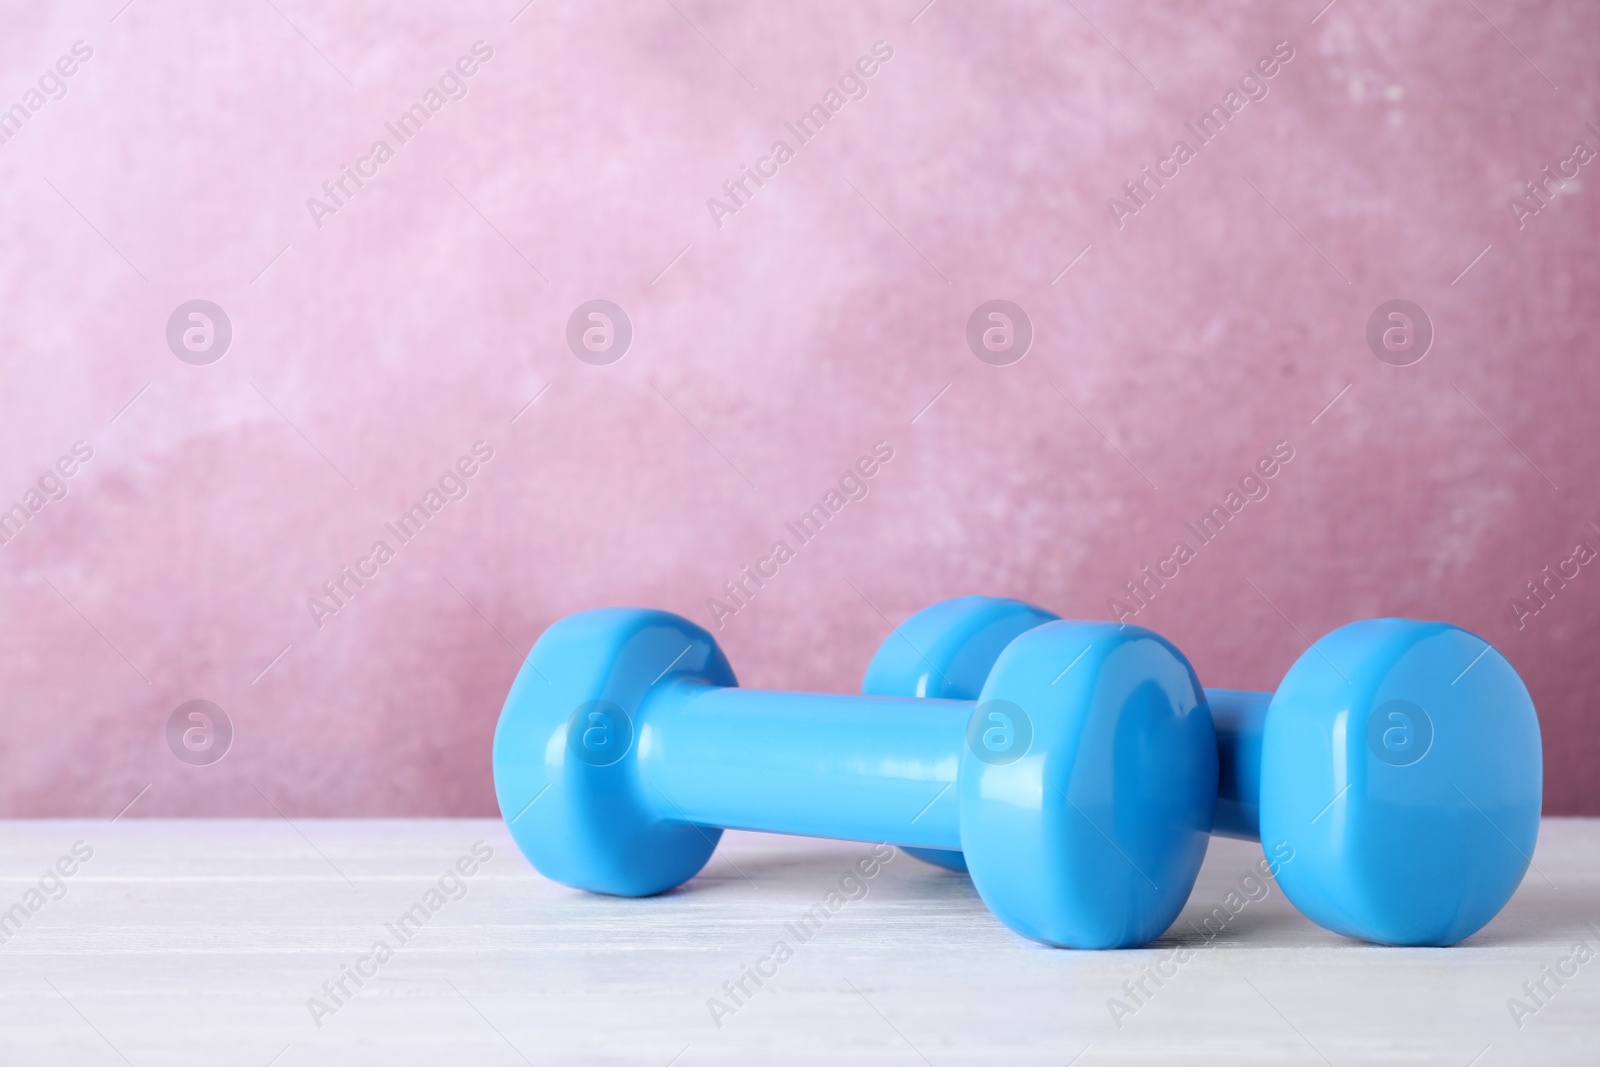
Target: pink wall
821	317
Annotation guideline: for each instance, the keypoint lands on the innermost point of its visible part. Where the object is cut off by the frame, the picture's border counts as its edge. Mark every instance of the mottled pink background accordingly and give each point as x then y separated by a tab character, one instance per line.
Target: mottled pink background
823	317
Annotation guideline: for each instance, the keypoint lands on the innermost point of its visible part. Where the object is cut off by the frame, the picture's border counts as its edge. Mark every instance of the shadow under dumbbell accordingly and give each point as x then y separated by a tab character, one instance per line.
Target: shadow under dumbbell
766	869
808	867
1253	926
1233	905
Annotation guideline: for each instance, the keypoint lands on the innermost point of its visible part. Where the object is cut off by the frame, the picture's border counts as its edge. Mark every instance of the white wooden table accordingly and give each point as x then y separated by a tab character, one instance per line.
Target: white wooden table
201	942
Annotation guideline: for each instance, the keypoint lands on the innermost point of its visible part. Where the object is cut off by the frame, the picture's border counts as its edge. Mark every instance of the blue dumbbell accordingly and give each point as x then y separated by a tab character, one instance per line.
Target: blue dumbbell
1398	764
625	748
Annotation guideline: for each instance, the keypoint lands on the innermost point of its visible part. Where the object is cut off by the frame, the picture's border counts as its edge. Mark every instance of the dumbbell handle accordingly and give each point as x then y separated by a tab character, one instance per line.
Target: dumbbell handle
852	767
868	768
1238	717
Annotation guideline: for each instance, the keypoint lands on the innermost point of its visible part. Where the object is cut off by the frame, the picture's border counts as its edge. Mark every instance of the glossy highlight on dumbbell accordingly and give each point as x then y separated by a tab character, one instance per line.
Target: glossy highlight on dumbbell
1399	763
625	748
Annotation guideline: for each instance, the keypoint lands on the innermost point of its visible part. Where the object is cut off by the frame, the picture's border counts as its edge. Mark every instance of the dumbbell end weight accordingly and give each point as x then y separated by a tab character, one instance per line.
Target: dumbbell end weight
565	770
1147	787
1090	832
949	650
1401	768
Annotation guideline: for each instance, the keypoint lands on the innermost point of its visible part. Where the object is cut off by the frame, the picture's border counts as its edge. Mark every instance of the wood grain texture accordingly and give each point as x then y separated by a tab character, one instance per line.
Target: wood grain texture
201	942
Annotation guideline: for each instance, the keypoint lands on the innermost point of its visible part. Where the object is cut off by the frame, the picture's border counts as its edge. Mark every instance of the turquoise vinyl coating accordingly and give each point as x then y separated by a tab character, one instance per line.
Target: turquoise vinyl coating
1396	775
1095	837
1401	762
946	651
580	819
1239	717
1079	784
861	769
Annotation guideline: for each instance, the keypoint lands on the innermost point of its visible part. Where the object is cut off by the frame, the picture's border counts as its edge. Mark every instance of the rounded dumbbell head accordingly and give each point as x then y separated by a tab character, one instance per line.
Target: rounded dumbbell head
1091	835
566	742
1401	782
1117	760
946	651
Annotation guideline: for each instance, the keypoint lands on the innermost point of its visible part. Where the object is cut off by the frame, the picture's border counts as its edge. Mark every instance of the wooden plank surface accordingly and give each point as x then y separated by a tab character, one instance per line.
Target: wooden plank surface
205	942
